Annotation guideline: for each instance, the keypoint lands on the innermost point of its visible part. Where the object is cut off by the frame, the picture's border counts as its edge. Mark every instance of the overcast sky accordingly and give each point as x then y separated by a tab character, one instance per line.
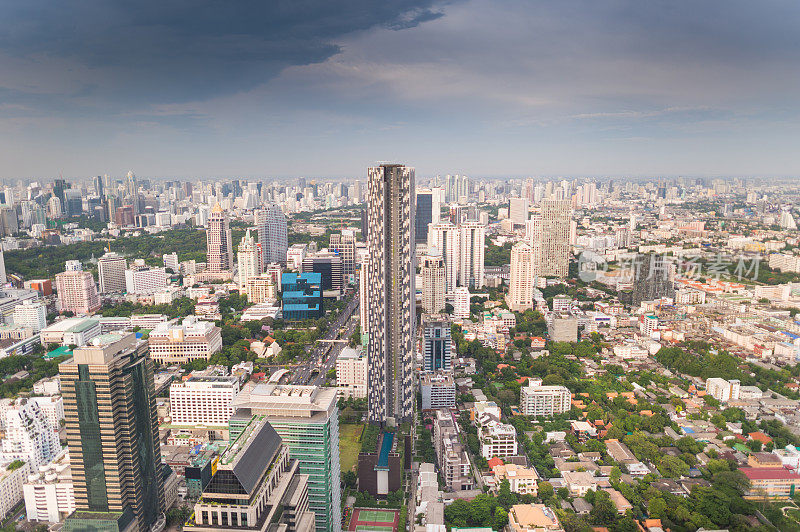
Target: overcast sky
193	88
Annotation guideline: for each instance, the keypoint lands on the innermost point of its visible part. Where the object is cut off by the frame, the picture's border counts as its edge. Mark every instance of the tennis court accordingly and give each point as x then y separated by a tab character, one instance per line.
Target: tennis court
376	516
373	528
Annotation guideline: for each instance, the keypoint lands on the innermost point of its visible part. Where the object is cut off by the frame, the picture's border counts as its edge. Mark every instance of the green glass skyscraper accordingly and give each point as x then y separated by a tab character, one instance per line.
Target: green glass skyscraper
307	419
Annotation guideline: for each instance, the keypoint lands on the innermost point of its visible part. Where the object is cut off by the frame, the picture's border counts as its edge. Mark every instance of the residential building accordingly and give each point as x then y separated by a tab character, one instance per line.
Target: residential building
141	279
444	239
261	289
438	391
52	406
192	339
563	328
544	401
12	479
522	480
112	433
433	284
451	454
49	493
521	280
518	209
272	234
32	314
351	373
29	436
555	242
171	262
533	518
256	485
203	401
218	241
437	343
77	292
344	245
772	482
579	482
111	272
472	243
652	278
391	301
723	390
497	439
251	262
307	419
461	298
301	296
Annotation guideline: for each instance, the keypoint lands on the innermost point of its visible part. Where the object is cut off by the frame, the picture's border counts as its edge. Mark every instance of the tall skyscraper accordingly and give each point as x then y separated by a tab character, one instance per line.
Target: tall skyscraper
436	342
520	290
555	249
433	284
652	278
272	234
344	245
445	238
472	237
518	210
218	241
112	433
111	272
98	186
390	283
250	260
424	214
307	420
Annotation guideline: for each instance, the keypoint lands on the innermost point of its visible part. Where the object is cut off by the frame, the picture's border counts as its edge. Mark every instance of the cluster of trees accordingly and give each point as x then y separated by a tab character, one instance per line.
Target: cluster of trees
496	255
36	366
178	308
482	511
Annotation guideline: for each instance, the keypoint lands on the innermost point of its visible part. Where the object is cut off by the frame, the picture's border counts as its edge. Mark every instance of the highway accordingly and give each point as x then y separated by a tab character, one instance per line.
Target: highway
348	318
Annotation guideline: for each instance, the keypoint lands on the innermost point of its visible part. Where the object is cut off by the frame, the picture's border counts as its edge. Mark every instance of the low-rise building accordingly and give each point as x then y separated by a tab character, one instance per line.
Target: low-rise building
723	390
533	518
537	400
203	401
497	439
71	331
773	482
522	480
438	390
193	339
450	453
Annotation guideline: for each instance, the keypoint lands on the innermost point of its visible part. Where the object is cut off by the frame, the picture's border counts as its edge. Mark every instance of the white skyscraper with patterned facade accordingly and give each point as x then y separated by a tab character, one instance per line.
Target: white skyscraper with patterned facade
390	283
445	238
250	261
272	234
472	243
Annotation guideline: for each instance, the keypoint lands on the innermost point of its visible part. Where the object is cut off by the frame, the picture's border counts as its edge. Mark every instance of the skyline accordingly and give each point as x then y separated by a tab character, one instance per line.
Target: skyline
500	89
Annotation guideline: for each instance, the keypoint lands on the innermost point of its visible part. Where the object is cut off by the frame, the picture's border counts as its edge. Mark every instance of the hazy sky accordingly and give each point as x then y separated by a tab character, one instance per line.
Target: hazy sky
325	88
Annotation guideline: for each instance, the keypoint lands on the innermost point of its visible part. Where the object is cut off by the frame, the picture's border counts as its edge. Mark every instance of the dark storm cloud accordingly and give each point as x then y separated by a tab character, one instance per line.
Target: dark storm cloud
182	50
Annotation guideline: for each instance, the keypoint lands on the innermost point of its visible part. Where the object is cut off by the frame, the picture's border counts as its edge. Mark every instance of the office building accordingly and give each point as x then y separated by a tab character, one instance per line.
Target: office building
351	373
218	241
471	246
31	314
444	238
537	400
111	272
71	331
171	262
652	278
256	485
193	339
424	214
251	263
391	301
521	280
329	266
77	292
203	401
438	391
272	234
344	245
301	296
436	342
261	289
49	493
29	435
433	284
307	419
518	210
112	433
141	279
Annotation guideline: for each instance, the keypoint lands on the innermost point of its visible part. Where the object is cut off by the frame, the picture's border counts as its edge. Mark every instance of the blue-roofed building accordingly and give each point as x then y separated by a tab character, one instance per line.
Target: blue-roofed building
302	296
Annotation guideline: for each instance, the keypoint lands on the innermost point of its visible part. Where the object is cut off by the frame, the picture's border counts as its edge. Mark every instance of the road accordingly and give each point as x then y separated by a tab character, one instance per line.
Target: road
348	318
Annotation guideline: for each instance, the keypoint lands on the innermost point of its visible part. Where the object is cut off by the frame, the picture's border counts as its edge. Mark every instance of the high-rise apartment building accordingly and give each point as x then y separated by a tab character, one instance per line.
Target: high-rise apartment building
518	210
218	241
445	238
423	215
537	400
521	279
307	419
344	245
433	284
111	272
436	342
251	263
28	435
390	283
555	247
112	433
77	292
351	373
144	280
31	313
652	278
206	401
472	237
272	234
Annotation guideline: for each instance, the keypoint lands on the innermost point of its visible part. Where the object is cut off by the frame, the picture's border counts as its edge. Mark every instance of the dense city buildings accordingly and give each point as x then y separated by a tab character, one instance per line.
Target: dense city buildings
112	433
390	285
652	278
